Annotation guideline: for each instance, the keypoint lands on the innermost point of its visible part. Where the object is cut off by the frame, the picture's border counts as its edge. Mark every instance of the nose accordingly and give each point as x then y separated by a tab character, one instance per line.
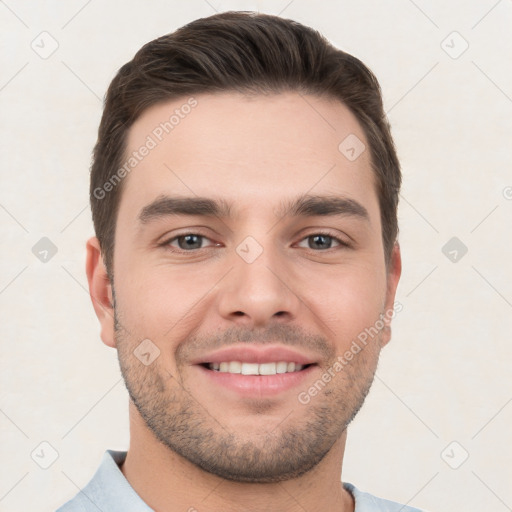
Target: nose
257	293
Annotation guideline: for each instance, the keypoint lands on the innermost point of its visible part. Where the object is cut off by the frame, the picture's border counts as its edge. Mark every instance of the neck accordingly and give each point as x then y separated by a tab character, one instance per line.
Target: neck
169	483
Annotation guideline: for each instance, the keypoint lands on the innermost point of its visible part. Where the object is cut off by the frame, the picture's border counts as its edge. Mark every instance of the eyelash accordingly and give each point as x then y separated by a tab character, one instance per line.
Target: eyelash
166	244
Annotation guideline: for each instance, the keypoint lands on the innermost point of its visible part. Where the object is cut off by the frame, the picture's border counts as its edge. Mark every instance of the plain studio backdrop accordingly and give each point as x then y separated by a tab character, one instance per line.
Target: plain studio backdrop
435	429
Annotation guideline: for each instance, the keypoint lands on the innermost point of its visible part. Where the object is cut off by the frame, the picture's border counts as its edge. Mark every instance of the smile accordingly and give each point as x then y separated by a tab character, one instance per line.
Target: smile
271	368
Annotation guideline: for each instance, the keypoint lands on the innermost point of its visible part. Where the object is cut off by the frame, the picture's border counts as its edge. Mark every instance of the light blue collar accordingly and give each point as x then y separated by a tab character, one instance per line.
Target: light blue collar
109	491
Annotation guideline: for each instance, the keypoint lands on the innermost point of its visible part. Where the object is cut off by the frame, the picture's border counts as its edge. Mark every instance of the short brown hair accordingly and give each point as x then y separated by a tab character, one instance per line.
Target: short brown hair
250	53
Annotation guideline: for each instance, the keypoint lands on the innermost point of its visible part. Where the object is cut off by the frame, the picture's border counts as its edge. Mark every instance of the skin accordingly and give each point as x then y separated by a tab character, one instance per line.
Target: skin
194	444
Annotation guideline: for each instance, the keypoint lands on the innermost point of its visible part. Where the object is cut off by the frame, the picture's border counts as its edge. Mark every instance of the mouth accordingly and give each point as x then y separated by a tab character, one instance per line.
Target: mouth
255	371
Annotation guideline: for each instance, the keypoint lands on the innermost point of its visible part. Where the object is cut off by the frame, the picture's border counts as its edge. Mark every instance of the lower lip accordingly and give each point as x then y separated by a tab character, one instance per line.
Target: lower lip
258	385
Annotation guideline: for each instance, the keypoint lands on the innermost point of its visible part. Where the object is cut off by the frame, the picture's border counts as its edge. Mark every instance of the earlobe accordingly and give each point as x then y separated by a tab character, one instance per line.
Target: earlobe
100	290
393	276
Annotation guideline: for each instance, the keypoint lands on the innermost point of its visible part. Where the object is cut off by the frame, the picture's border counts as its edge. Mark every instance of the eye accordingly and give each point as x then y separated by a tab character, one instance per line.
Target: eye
188	242
322	241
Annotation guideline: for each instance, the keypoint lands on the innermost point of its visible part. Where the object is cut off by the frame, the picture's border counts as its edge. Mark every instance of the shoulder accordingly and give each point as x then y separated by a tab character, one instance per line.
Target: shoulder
75	504
366	502
106	488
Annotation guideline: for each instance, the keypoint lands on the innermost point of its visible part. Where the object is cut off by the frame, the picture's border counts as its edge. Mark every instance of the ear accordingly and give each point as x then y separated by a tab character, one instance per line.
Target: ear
393	276
100	290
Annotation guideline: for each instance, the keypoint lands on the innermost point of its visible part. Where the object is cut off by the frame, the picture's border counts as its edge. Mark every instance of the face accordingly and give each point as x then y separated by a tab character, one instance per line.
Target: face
248	258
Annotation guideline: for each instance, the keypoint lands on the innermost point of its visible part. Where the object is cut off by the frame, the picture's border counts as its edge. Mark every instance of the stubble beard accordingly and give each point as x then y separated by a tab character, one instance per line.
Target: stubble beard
196	431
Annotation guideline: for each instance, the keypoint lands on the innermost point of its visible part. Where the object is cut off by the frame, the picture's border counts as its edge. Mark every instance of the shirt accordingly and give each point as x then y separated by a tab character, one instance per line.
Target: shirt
109	491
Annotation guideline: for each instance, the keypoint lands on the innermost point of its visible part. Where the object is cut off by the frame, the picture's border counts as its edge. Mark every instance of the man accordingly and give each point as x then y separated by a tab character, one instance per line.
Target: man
244	190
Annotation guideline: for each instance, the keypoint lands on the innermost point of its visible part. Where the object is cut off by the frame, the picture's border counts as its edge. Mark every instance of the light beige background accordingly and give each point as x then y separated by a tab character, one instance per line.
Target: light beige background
445	376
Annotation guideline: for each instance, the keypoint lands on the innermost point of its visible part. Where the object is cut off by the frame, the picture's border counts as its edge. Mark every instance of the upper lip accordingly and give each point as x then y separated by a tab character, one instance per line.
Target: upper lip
255	354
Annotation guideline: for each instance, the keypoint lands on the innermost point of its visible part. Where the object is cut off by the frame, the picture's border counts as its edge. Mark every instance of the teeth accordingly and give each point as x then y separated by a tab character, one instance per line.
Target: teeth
255	368
235	367
268	369
250	368
282	367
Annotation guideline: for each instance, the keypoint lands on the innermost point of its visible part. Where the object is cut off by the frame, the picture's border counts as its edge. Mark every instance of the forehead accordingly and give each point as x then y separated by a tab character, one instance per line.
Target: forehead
249	150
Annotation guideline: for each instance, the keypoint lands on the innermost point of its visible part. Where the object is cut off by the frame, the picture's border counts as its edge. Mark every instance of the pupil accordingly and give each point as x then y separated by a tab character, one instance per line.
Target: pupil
190	242
321	239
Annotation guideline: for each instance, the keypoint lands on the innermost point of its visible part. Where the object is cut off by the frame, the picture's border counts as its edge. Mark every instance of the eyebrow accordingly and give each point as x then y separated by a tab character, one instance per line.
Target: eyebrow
302	206
164	206
312	206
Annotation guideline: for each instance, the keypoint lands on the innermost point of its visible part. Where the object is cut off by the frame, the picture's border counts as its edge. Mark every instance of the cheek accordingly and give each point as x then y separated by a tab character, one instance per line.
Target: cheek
160	302
347	302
